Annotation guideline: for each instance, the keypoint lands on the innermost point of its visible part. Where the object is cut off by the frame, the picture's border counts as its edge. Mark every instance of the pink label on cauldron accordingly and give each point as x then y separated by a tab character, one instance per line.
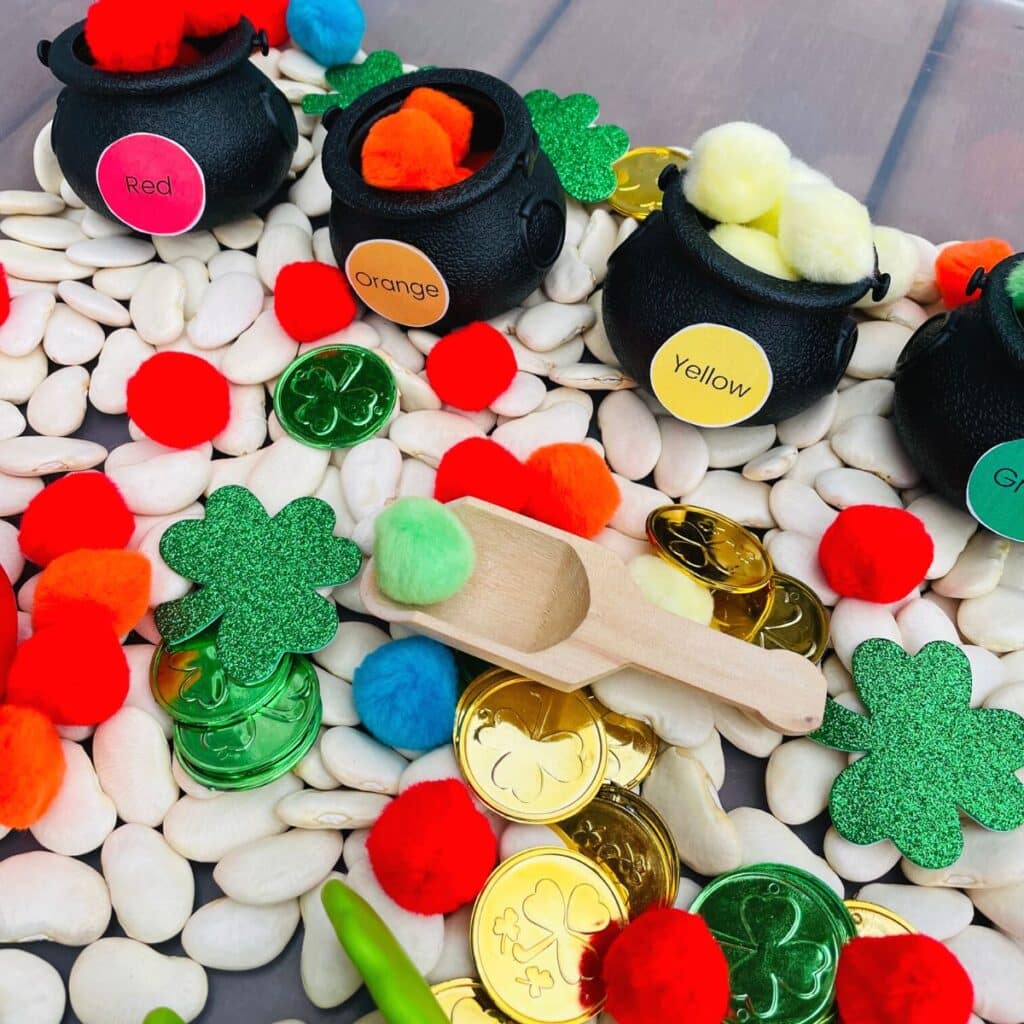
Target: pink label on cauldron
152	184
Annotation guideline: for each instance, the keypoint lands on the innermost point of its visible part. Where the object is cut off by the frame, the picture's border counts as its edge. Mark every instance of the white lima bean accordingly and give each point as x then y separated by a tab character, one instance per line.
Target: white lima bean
119	981
31	990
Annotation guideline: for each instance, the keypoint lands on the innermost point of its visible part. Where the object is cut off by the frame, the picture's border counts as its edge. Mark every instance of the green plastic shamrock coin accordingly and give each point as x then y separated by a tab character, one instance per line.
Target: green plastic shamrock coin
258	579
582	152
929	754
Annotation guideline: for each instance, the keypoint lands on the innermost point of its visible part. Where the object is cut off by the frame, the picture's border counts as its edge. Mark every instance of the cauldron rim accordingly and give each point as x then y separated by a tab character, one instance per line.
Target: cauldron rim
232	49
1006	324
518	144
690	230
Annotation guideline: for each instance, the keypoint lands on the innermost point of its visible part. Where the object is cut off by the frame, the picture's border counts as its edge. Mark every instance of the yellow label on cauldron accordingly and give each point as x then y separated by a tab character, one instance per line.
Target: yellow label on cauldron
398	281
711	375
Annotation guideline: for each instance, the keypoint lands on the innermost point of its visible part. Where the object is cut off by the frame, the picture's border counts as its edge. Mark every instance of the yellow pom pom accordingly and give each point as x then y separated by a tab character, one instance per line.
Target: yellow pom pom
825	234
799	174
737	171
671	589
757	249
897	257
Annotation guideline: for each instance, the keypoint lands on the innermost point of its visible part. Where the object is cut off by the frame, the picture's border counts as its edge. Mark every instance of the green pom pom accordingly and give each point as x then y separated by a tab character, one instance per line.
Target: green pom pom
422	554
1015	287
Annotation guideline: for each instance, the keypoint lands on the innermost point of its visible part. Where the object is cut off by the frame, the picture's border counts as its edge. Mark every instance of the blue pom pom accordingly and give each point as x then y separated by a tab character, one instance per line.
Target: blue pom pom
405	693
330	31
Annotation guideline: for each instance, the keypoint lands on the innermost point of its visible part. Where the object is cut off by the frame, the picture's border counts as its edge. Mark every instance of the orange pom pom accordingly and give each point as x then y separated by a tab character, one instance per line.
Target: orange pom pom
409	152
569	486
956	264
118	581
31	765
454	117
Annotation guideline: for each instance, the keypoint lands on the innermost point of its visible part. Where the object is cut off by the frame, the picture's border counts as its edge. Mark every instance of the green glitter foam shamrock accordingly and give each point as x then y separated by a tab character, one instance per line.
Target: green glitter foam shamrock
350	81
928	754
582	152
258	575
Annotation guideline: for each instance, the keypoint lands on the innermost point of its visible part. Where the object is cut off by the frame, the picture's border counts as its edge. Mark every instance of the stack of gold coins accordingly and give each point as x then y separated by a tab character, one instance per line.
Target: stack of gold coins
752	601
540	756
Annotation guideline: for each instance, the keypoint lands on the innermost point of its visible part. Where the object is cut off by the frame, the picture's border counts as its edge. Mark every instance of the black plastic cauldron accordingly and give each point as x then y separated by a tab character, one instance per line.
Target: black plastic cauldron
669	275
960	385
172	150
468	252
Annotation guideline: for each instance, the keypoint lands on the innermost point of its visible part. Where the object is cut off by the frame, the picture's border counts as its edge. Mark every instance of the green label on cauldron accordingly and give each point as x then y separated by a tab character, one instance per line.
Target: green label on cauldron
995	490
711	375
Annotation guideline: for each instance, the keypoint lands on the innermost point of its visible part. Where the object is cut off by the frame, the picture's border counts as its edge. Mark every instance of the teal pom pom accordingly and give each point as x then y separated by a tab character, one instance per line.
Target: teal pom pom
1015	287
422	554
330	31
405	693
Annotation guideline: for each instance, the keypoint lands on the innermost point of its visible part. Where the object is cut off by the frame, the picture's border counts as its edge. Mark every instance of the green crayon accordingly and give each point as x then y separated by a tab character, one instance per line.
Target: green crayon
398	989
162	1015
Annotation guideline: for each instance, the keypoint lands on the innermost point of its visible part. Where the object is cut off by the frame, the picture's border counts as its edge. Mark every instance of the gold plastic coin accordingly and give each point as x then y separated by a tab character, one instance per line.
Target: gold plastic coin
629	837
875	922
742	615
637	194
713	549
632	747
531	753
795	621
533	931
466	1002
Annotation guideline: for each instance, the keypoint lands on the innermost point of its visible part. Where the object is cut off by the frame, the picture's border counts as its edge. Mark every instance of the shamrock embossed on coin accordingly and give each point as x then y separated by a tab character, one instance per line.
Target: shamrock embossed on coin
781	930
531	753
714	550
537	929
335	397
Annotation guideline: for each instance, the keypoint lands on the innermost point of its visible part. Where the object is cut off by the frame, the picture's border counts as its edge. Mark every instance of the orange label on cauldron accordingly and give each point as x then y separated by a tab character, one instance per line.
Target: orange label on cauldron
398	281
152	184
711	375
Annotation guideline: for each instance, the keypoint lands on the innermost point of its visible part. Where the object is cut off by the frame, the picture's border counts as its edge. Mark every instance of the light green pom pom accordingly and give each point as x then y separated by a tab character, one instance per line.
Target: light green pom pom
422	554
1015	287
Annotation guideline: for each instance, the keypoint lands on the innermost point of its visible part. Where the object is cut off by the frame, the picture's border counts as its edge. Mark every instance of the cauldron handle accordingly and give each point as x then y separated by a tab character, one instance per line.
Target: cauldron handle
43	52
531	207
261	42
330	118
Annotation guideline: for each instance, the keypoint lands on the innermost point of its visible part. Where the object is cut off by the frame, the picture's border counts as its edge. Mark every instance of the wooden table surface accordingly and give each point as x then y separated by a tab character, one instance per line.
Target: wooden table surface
910	104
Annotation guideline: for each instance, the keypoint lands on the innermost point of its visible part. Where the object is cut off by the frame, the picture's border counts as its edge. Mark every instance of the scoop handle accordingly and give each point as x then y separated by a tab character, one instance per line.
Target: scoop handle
782	689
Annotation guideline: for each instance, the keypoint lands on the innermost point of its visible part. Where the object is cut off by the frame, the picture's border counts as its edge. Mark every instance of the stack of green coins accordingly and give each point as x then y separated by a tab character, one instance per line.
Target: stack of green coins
228	735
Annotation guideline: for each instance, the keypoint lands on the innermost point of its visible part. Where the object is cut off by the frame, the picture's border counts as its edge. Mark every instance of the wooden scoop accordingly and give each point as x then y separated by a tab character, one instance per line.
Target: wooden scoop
565	612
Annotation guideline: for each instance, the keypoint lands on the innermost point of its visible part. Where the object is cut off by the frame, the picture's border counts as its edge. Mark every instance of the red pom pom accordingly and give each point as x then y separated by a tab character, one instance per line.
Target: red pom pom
124	35
74	671
902	979
666	967
454	852
31	765
83	510
5	296
8	627
956	264
118	581
875	553
471	367
269	15
312	300
480	468
179	399
211	17
569	486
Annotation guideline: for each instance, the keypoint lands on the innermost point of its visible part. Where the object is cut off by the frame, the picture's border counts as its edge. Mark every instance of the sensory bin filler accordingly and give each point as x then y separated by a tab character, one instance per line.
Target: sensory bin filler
441	661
